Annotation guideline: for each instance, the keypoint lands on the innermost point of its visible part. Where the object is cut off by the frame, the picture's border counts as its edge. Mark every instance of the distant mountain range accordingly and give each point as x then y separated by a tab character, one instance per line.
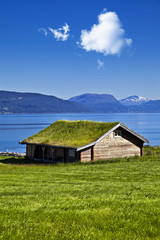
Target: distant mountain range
108	103
16	102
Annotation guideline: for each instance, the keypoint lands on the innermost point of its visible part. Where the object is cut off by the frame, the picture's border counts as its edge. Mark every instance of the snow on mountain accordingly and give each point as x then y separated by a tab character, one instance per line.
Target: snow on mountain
133	100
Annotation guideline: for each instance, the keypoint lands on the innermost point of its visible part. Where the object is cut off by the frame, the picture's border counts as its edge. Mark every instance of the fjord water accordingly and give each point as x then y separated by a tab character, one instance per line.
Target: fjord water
16	127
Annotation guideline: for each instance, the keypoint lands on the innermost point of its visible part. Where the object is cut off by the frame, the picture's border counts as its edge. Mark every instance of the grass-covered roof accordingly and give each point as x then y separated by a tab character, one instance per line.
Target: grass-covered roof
71	133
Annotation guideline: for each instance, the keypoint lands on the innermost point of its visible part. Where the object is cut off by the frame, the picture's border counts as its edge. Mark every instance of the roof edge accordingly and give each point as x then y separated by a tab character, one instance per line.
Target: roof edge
111	130
134	133
49	145
93	143
127	129
86	146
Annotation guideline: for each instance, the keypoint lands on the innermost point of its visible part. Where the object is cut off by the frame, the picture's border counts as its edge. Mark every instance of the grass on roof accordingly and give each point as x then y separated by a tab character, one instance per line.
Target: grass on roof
71	133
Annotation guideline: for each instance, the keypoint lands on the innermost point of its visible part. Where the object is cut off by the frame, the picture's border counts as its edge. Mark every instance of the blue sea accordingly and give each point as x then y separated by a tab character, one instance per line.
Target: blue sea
16	127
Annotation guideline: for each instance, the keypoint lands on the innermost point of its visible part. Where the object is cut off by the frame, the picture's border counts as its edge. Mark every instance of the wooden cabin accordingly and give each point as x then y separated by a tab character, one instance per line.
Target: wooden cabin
69	141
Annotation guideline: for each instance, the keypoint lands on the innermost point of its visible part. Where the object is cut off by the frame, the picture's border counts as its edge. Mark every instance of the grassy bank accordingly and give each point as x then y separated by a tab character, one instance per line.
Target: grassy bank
116	199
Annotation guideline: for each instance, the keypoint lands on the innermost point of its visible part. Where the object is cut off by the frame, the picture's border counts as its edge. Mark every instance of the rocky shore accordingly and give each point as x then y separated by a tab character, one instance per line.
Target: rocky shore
12	154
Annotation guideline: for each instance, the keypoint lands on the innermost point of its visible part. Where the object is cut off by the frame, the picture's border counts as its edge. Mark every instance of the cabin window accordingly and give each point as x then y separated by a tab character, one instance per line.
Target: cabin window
71	153
117	133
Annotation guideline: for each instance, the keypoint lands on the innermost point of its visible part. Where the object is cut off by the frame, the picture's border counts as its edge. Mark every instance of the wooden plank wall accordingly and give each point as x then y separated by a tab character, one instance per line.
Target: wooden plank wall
30	150
86	155
116	146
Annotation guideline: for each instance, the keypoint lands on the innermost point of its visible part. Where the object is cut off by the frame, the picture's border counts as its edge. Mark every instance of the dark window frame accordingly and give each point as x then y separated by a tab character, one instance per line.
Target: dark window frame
118	133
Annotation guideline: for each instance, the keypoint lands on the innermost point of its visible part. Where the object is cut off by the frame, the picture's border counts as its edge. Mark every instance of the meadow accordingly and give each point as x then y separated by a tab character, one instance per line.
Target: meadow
114	199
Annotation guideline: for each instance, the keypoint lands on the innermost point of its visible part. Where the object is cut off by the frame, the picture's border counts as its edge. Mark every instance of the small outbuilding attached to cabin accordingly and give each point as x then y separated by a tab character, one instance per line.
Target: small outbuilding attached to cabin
69	141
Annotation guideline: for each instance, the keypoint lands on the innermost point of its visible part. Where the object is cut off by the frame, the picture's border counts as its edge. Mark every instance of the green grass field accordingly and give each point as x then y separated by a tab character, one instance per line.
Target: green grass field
115	199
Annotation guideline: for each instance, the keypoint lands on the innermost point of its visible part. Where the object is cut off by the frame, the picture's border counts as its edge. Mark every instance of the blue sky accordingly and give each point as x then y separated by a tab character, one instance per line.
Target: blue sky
68	47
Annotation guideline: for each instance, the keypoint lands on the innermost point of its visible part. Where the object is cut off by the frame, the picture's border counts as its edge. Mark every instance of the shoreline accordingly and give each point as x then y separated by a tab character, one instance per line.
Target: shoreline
12	154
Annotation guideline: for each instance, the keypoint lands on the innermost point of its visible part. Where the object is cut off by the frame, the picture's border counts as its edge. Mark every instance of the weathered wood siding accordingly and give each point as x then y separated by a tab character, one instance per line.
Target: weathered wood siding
30	150
86	155
118	146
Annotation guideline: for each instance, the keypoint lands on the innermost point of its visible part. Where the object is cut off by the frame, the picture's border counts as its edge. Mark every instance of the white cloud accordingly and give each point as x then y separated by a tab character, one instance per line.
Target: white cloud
44	31
100	64
106	37
61	34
